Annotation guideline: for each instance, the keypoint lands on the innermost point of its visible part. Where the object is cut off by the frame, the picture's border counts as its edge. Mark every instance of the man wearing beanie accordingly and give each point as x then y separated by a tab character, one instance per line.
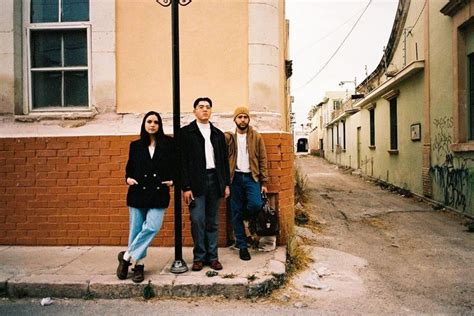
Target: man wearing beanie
248	174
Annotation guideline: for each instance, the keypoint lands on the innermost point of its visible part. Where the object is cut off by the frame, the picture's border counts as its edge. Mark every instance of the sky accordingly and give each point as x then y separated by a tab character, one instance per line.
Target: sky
317	29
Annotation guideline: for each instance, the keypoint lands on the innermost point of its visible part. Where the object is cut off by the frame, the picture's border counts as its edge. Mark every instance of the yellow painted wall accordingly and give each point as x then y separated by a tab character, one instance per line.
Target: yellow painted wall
411	39
393	168
213	47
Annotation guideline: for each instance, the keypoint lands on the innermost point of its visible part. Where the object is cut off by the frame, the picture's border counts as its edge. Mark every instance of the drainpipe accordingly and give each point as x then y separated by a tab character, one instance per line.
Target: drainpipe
427	182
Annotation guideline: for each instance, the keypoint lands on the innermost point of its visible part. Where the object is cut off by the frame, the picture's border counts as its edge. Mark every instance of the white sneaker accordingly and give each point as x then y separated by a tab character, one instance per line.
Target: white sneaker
267	243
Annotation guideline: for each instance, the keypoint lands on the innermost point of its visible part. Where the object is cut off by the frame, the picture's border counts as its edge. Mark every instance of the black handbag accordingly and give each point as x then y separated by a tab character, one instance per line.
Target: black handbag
267	223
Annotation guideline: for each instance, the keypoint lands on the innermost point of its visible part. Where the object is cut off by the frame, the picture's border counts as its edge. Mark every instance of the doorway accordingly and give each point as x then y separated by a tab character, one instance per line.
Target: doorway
302	145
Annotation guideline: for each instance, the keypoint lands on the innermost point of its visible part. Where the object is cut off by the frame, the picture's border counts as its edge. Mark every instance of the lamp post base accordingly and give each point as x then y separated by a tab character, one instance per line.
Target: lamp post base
179	266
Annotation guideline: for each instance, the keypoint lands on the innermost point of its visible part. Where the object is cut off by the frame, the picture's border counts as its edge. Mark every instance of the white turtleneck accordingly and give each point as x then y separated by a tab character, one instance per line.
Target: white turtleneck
205	130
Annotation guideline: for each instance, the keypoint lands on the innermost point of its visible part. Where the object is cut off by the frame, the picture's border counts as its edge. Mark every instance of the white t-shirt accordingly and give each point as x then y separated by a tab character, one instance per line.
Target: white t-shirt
243	164
206	133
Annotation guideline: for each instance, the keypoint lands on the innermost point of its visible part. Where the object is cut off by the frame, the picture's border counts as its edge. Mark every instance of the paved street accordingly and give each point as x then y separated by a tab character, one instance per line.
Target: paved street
381	252
374	251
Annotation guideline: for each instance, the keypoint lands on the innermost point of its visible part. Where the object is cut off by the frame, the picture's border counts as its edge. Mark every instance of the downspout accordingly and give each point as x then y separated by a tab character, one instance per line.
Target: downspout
427	183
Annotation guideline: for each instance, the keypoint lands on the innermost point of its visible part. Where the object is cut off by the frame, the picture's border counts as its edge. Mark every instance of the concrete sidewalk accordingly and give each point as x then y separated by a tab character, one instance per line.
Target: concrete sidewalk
78	272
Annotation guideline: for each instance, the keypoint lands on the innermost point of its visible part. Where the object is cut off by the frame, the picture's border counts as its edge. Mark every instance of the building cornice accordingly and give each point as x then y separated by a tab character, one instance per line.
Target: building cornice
453	7
395	36
390	84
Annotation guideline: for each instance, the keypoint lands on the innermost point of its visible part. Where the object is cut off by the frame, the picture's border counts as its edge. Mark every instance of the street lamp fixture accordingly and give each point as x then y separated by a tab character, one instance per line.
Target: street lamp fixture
342	83
179	265
167	3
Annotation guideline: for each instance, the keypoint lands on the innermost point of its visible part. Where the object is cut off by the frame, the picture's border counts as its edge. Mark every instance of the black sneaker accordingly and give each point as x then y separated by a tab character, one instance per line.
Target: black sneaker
122	269
138	273
244	254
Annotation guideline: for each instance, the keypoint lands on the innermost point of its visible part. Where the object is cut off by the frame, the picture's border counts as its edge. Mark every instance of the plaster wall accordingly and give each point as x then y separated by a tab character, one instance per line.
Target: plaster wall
349	156
452	173
213	47
410	46
393	167
7	74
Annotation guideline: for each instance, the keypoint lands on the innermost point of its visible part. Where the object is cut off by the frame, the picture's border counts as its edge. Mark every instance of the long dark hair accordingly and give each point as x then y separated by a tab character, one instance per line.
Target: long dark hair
145	136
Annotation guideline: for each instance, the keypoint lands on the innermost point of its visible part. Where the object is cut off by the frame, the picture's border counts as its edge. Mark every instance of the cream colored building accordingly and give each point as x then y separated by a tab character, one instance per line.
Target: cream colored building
93	67
320	139
415	126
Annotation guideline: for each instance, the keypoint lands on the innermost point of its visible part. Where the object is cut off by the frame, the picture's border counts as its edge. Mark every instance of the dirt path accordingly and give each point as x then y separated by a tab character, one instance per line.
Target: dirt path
379	252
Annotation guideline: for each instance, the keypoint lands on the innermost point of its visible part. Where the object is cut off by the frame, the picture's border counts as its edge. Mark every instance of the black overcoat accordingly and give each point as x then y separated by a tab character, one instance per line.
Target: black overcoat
193	161
149	173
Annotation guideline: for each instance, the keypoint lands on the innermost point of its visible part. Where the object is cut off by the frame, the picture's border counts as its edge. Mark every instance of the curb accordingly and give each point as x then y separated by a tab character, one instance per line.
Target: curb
262	283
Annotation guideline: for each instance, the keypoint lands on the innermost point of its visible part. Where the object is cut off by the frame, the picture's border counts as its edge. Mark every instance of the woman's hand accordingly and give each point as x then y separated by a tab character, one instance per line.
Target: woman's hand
131	181
168	183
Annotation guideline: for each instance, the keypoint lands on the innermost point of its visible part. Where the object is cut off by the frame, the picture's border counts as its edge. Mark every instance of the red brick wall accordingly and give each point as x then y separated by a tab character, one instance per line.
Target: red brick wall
71	191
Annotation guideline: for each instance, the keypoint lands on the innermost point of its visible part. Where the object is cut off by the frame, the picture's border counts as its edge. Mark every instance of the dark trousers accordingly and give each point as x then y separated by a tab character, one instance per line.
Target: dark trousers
205	221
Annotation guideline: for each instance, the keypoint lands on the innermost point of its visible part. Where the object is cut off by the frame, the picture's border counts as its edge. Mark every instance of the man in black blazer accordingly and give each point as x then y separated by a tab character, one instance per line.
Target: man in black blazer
205	180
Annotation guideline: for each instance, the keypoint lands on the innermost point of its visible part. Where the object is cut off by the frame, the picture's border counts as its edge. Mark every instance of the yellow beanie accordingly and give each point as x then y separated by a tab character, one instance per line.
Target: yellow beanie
241	110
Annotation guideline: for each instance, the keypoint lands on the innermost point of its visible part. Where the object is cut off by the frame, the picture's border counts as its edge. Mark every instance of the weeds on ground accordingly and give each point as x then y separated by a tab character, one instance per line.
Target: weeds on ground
297	257
252	277
148	291
301	185
301	215
88	296
228	276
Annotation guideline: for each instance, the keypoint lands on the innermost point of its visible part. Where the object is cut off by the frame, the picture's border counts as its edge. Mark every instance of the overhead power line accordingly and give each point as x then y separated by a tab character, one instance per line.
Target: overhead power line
422	9
302	50
337	49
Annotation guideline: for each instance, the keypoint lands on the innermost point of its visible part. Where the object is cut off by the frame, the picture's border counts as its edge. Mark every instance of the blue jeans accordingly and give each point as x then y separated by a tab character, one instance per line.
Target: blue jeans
245	203
205	221
145	223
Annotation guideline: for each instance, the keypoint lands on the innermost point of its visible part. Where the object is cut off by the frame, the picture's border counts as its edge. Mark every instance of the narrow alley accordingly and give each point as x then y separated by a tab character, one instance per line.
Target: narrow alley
377	251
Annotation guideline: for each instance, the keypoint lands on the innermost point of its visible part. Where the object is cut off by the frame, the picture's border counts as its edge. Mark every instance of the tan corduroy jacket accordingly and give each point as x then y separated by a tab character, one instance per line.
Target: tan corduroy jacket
257	154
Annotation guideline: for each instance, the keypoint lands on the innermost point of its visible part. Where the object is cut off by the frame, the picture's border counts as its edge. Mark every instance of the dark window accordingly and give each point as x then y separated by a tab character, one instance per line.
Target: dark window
344	134
372	126
46	11
337	134
393	124
470	110
59	68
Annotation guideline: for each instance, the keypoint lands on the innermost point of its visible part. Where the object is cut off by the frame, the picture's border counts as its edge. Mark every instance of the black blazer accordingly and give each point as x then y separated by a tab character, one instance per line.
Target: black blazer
149	173
193	159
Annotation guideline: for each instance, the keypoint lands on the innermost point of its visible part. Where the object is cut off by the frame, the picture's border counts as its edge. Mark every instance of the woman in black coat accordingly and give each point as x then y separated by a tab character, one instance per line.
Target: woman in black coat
149	174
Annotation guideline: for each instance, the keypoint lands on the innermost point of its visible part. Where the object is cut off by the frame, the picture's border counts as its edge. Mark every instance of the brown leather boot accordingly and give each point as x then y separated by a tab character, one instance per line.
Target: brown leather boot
122	269
138	273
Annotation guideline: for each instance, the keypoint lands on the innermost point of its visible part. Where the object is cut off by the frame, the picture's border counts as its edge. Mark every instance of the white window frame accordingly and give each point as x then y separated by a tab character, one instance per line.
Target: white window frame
28	86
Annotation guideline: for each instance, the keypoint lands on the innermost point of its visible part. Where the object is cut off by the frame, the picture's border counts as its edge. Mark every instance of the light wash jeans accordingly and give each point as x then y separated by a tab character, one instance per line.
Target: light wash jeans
145	223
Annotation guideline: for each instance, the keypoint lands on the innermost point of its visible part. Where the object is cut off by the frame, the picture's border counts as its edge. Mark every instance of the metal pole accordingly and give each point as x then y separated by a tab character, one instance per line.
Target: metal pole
178	266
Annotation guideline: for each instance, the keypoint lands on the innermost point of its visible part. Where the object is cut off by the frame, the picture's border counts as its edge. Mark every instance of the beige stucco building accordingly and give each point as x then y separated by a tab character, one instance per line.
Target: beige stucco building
322	140
232	51
76	79
414	128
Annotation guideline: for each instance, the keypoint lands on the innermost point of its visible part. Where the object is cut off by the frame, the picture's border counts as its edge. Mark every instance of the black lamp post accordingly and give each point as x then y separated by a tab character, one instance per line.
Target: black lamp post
179	265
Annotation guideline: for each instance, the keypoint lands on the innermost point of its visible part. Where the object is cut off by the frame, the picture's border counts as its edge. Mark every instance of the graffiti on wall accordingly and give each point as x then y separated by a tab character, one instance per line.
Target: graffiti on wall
452	173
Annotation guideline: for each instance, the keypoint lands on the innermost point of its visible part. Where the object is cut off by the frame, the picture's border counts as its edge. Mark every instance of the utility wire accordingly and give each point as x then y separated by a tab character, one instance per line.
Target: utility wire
337	49
422	9
302	50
